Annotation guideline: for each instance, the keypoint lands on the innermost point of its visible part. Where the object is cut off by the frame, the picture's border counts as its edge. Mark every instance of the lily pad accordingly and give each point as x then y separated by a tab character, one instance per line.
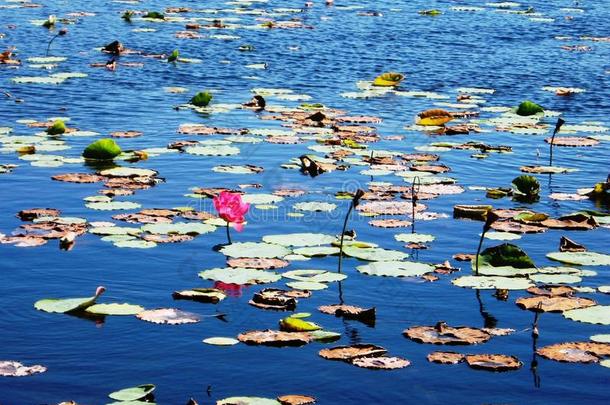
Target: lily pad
133	393
493	283
16	369
598	314
396	269
181	228
300	239
374	254
168	316
114	309
221	341
241	276
414	237
581	258
254	250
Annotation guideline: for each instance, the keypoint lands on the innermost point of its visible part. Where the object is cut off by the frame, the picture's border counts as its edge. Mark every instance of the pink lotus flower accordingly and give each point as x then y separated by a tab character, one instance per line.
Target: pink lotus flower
231	208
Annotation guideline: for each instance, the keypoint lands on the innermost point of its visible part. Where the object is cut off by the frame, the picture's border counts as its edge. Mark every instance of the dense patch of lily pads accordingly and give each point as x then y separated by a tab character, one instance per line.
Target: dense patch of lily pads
397	189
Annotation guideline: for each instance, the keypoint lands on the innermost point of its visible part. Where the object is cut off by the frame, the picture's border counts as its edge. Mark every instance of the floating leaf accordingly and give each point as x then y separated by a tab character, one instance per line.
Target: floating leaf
381	363
239	276
528	108
132	393
181	228
442	334
274	338
493	362
553	304
212	295
168	316
221	341
374	254
349	353
445	357
414	237
598	314
254	250
16	369
294	324
396	269
307	285
581	258
114	309
300	239
318	276
492	282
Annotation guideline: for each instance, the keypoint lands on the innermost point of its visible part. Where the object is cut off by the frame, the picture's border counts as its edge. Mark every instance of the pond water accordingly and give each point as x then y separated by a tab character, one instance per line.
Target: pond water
487	47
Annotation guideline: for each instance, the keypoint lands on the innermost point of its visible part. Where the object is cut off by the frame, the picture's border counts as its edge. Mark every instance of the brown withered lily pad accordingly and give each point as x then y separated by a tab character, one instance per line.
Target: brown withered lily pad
572	141
568	245
273	298
285	192
24	240
349	353
516	227
274	338
445	357
581	225
430	168
464	257
381	363
296	400
499	331
553	304
493	362
16	369
141	219
78	178
211	295
125	134
168	316
257	263
33	213
390	223
575	352
441	334
552	291
348	311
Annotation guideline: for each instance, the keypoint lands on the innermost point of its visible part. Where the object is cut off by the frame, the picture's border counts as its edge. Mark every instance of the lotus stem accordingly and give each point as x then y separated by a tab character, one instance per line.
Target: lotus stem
228	233
61	32
558	125
490	218
414	199
354	203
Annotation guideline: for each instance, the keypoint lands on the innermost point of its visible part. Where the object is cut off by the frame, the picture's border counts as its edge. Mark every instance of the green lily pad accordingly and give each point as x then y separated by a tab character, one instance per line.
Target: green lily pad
555	278
247	401
315	206
241	276
396	269
261	198
300	239
114	309
221	341
581	258
597	314
132	393
61	306
135	244
324	336
255	249
374	254
506	271
307	285
113	205
493	282
316	251
218	150
317	276
505	255
291	324
600	338
502	236
414	237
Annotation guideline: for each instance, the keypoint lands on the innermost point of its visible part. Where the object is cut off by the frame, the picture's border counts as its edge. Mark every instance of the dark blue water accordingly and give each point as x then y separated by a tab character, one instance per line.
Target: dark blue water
506	52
